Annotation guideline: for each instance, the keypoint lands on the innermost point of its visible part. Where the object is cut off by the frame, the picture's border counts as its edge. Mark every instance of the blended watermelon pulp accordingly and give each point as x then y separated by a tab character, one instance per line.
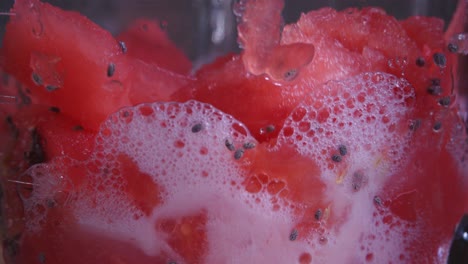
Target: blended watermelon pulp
335	139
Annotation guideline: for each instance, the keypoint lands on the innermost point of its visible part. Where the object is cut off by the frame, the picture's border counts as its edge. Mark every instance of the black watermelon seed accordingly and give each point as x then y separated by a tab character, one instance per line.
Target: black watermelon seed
445	101
238	154
414	124
24	98
377	200
434	90
54	109
229	145
437	126
440	59
290	75
267	129
36	78
435	81
12	126
123	46
420	62
78	128
343	150
452	47
9	120
318	214
249	145
36	153
51	88
197	128
270	128
293	235
110	69
337	158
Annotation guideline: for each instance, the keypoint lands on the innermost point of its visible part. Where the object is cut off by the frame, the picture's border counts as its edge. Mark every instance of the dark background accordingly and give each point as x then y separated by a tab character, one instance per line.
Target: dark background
191	23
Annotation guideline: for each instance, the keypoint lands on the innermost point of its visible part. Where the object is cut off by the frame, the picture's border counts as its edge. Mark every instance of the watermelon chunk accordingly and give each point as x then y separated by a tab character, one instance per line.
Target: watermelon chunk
69	62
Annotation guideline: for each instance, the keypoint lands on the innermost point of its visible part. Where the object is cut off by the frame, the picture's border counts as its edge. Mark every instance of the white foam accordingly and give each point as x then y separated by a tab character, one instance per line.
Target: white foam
196	173
368	114
364	113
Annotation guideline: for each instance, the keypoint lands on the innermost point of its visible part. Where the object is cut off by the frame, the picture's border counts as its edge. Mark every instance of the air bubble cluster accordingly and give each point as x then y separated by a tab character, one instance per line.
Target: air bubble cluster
366	113
369	115
187	171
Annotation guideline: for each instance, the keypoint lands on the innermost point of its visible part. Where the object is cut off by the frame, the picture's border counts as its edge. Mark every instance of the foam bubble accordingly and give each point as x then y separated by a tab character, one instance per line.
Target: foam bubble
182	149
178	152
367	114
